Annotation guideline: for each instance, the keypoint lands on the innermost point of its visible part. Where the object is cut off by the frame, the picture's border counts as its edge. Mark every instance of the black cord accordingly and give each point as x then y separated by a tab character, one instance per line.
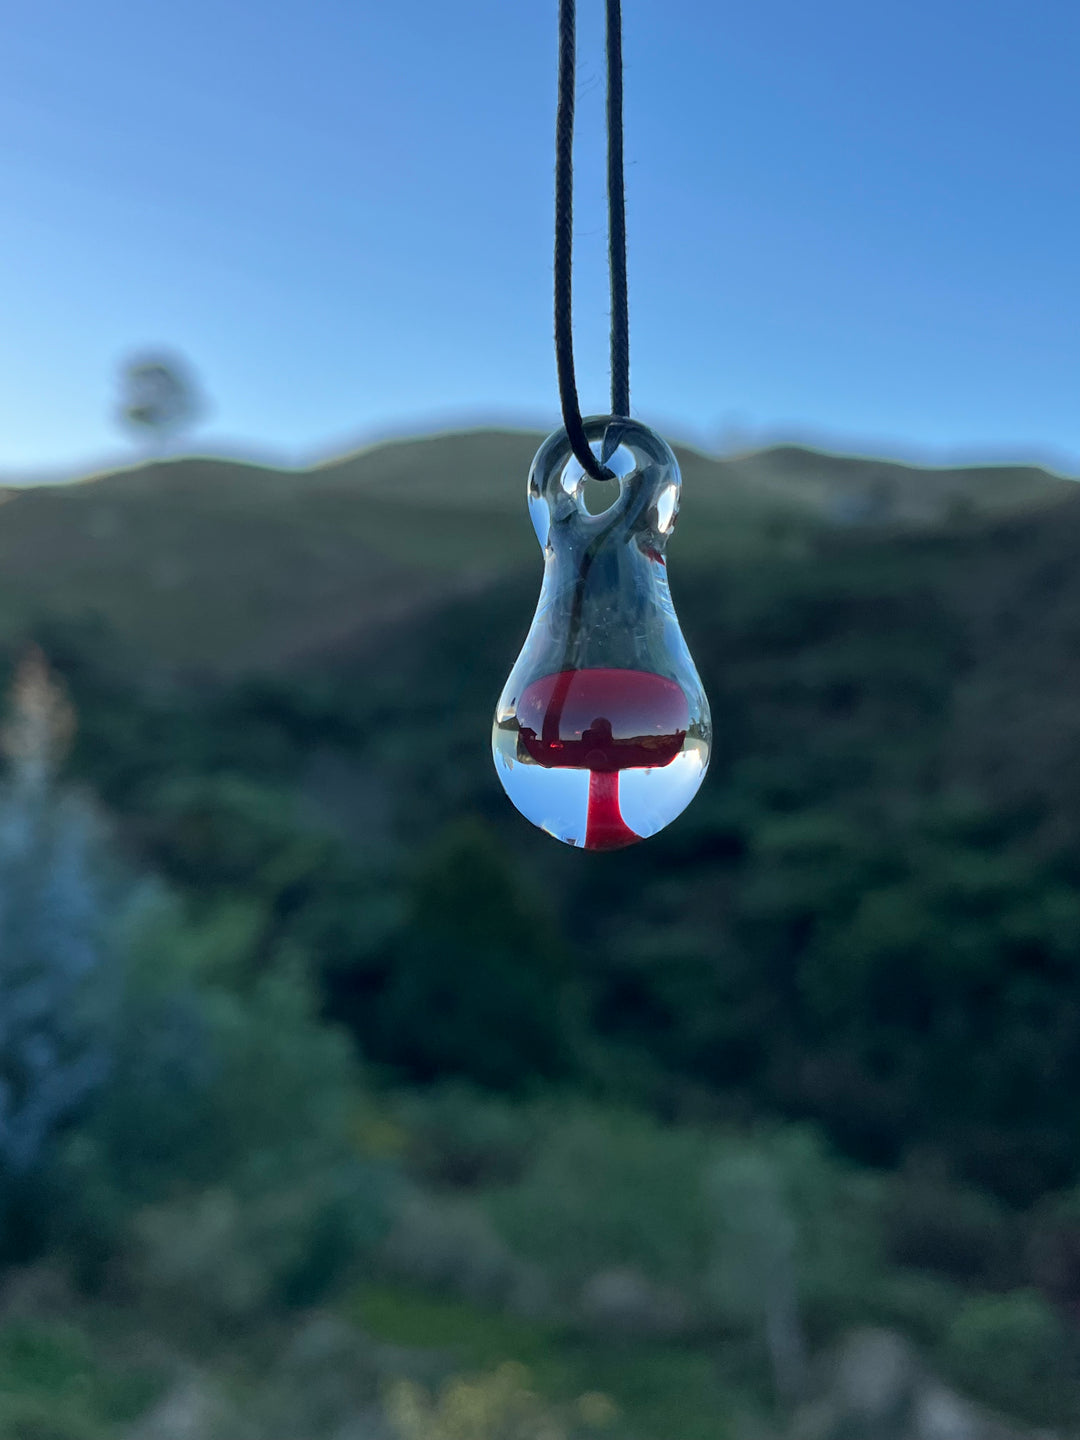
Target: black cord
620	314
564	233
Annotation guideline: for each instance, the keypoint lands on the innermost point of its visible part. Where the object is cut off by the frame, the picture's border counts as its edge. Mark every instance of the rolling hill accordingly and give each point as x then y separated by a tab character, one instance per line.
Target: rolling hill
867	918
218	565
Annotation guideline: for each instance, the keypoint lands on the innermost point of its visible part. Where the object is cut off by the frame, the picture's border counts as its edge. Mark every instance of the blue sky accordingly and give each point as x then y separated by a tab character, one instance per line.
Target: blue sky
852	221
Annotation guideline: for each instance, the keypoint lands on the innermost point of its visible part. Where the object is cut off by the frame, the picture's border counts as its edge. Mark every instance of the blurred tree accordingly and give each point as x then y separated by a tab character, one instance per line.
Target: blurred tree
795	1245
754	1265
474	982
56	998
159	396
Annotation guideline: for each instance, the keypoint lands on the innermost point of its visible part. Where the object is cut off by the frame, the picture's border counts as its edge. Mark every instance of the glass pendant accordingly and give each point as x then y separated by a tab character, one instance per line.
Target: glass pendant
602	731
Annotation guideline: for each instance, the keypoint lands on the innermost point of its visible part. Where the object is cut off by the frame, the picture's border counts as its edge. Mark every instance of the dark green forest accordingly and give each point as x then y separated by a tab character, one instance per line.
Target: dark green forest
625	1142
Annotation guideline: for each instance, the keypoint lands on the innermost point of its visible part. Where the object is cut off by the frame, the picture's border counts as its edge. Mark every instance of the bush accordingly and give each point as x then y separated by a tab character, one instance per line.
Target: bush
226	833
51	1388
38	1417
226	1126
794	1251
779	1201
1014	1351
608	1188
450	1245
155	1063
920	1304
950	1229
224	1256
472	985
1054	1247
324	1381
460	1138
497	1406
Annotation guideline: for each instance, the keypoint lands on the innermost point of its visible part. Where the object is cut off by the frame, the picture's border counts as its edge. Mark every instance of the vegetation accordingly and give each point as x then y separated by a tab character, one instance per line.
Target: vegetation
321	1069
160	397
499	1406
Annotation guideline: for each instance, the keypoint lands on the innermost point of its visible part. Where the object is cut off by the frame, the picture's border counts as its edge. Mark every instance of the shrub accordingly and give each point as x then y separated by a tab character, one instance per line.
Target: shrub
497	1406
952	1230
460	1138
51	1387
1054	1247
1014	1351
451	1245
794	1250
38	1417
780	1200
226	1126
223	1255
919	1303
472	984
608	1188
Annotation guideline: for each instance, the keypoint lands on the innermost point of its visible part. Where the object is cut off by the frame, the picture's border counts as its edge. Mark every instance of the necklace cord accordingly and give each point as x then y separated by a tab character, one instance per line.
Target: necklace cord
620	313
564	232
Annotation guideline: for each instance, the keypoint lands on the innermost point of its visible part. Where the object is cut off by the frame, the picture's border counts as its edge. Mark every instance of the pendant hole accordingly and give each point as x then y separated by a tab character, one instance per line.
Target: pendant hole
598	496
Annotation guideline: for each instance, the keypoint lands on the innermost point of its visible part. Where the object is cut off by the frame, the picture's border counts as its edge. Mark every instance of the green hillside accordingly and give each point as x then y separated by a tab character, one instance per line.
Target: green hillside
890	824
388	1089
211	563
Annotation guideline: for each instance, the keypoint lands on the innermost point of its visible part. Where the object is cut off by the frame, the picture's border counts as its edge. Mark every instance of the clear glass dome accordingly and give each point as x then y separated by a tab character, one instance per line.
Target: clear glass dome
602	731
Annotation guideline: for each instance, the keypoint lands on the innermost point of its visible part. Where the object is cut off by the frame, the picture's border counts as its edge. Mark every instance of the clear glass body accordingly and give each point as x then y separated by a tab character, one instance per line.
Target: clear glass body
602	731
